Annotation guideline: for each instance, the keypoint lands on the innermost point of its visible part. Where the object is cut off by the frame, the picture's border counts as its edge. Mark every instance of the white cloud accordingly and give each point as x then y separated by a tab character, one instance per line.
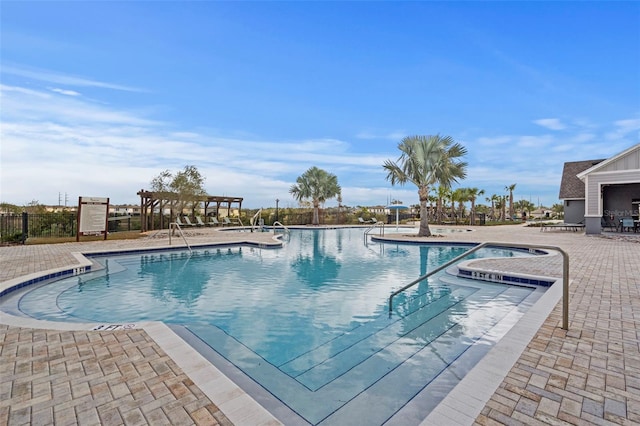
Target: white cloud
53	142
550	123
65	92
21	104
64	79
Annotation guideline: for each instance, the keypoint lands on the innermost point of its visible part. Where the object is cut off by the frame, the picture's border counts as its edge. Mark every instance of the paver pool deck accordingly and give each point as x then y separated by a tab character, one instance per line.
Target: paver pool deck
60	373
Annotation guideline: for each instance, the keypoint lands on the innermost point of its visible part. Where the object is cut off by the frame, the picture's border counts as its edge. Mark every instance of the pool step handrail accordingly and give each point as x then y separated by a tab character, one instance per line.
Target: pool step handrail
255	218
565	273
172	227
287	230
372	227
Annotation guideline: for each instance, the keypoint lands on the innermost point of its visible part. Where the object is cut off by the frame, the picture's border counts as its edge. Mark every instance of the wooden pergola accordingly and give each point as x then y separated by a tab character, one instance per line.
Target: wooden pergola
156	202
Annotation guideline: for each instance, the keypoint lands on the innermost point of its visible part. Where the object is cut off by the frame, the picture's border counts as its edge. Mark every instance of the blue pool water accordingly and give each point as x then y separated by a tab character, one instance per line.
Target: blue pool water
308	322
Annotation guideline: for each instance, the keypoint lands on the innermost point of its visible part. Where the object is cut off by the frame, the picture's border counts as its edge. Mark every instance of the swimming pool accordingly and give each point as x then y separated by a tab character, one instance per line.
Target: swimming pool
307	322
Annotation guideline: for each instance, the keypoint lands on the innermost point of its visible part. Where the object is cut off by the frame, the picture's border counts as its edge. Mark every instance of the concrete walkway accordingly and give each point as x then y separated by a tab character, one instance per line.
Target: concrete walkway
68	374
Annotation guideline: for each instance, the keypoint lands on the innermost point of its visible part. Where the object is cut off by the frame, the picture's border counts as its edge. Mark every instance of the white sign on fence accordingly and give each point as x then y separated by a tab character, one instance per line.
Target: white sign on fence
93	214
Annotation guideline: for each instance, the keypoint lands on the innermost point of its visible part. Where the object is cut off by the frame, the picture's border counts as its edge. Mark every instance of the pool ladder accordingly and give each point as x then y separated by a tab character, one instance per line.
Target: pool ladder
256	218
172	227
286	230
531	247
372	227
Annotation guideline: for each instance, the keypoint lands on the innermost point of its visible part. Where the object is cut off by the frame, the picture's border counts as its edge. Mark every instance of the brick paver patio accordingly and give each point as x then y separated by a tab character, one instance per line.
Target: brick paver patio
588	375
88	377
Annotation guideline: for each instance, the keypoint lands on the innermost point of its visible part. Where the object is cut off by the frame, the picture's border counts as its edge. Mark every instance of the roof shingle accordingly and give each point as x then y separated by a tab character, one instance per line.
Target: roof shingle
571	187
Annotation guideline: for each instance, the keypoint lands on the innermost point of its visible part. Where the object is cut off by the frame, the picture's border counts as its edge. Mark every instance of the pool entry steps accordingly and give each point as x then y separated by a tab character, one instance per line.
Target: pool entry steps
565	274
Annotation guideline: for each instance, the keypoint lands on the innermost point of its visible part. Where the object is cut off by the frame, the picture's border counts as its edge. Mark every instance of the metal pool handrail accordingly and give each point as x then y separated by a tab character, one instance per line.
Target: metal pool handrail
172	227
565	274
279	223
369	229
256	218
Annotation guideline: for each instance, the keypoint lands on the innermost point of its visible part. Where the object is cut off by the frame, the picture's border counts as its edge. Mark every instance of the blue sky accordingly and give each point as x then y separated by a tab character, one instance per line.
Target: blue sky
98	98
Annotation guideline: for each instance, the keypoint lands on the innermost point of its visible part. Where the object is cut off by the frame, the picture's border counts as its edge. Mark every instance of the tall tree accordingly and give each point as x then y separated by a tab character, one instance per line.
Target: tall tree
510	188
473	195
461	196
524	206
187	185
317	185
503	207
443	194
494	199
426	161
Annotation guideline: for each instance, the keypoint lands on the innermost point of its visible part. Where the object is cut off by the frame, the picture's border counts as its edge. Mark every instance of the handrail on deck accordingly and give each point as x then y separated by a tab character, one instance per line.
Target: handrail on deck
372	227
565	274
280	223
255	217
172	227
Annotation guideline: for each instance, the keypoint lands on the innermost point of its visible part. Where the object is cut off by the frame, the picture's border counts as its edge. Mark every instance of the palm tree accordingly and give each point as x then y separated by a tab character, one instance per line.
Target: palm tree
558	209
318	185
432	212
461	196
493	200
443	194
525	207
426	161
473	194
510	188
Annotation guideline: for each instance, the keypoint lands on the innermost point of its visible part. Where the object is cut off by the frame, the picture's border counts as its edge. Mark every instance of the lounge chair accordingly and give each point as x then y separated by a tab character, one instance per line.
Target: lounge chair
226	221
183	224
564	226
372	220
188	221
199	222
214	221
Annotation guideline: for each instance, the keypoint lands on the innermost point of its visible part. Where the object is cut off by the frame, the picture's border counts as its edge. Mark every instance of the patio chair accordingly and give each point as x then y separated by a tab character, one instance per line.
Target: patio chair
188	222
627	223
607	223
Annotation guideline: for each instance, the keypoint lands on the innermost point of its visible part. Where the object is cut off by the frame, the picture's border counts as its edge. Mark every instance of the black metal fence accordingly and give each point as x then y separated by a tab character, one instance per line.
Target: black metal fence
16	228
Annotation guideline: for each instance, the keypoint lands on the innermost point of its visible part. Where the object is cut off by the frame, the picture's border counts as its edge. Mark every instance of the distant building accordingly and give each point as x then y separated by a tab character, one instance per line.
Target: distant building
124	210
61	209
